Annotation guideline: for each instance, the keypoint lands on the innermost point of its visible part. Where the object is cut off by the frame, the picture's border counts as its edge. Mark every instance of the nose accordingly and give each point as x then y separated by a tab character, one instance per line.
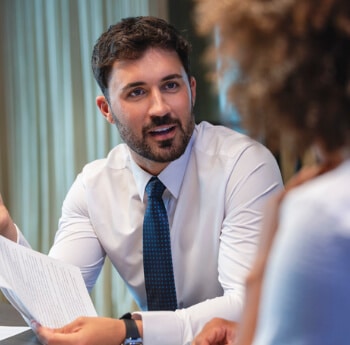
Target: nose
158	104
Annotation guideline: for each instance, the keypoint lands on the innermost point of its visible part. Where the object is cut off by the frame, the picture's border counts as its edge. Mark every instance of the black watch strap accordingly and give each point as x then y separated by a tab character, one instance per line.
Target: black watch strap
132	332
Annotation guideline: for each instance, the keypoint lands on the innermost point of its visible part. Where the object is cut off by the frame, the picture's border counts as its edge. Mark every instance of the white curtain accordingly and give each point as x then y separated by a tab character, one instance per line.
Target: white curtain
49	123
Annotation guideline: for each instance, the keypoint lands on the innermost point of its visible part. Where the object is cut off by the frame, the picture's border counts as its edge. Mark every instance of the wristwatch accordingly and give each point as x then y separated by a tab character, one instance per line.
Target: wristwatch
132	333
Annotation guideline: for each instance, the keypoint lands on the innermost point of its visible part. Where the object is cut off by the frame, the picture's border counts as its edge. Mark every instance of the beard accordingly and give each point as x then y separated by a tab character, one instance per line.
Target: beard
163	151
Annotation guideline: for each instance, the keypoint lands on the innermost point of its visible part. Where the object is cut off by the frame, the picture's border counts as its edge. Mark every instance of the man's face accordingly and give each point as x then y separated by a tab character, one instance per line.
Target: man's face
151	101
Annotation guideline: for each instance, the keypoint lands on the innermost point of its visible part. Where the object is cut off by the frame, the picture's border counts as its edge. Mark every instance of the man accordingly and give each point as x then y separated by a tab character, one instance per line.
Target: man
216	182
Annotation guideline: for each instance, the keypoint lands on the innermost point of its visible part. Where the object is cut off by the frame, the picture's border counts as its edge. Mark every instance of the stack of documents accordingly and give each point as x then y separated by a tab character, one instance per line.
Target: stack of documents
42	289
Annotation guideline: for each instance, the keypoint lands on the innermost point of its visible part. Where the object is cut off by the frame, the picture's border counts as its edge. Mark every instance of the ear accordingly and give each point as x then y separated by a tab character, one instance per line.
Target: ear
105	109
193	86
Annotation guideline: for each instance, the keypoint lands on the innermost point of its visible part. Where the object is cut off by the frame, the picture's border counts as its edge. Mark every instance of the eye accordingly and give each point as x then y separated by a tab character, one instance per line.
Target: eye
136	93
171	86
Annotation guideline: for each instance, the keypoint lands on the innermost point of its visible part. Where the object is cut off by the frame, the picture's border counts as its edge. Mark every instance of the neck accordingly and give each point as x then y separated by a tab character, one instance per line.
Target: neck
331	159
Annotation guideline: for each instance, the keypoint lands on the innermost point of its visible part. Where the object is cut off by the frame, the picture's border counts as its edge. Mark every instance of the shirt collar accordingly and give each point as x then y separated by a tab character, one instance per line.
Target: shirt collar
172	176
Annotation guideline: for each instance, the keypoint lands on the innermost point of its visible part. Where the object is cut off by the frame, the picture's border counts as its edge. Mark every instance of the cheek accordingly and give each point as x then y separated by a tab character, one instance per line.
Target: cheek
130	117
182	106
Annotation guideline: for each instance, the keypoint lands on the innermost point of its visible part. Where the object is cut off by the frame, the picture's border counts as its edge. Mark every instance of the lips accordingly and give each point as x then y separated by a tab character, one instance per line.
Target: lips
162	131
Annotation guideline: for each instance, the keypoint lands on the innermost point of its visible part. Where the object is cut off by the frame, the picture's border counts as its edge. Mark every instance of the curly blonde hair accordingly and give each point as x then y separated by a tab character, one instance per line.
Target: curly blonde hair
293	60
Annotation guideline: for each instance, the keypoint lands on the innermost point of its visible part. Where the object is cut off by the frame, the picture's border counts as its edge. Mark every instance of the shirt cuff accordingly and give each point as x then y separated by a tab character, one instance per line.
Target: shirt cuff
160	327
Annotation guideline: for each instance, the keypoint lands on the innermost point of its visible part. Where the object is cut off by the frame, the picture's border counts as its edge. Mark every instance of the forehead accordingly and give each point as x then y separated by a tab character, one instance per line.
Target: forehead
152	66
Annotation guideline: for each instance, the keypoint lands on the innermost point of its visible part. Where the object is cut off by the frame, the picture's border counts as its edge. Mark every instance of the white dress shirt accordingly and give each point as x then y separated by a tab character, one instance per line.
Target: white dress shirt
306	294
214	198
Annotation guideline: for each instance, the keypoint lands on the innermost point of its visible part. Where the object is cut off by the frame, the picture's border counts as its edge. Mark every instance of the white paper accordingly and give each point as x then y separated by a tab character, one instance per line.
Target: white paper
41	288
7	332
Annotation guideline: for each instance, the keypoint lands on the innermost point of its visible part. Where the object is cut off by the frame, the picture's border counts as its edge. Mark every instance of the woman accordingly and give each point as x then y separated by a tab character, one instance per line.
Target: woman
293	58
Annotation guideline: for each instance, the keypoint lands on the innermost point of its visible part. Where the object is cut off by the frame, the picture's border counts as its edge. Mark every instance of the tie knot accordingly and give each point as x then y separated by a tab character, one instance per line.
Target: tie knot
155	188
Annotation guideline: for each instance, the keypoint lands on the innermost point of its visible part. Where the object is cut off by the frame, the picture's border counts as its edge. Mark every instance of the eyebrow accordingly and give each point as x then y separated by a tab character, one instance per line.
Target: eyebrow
141	83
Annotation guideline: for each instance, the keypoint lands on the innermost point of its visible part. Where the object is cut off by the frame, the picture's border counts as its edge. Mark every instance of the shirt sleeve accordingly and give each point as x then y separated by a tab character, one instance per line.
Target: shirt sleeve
254	178
76	241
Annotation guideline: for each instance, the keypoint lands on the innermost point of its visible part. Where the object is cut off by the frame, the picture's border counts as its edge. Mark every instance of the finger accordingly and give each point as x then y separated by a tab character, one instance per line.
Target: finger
38	329
43	335
200	341
50	336
72	327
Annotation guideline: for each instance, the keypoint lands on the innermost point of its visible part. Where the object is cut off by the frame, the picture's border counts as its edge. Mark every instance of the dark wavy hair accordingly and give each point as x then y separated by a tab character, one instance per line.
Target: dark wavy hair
293	60
129	39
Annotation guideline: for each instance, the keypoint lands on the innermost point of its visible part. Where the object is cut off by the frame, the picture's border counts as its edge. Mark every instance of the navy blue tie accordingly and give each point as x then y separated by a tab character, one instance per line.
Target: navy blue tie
157	261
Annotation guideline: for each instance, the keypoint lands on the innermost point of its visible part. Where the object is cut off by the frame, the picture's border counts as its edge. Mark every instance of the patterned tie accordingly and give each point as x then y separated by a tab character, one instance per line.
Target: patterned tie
157	262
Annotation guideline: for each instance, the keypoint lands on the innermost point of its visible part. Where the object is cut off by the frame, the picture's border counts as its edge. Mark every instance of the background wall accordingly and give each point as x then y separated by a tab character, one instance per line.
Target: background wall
207	105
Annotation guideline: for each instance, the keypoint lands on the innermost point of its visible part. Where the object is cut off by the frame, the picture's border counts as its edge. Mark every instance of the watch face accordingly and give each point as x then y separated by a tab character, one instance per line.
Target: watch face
131	341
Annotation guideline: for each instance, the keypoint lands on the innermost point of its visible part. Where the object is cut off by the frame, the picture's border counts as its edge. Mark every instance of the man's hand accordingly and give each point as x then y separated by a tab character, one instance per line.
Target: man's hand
84	330
7	227
217	332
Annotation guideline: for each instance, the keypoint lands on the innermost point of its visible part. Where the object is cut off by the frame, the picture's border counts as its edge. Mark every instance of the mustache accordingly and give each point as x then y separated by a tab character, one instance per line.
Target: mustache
162	120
